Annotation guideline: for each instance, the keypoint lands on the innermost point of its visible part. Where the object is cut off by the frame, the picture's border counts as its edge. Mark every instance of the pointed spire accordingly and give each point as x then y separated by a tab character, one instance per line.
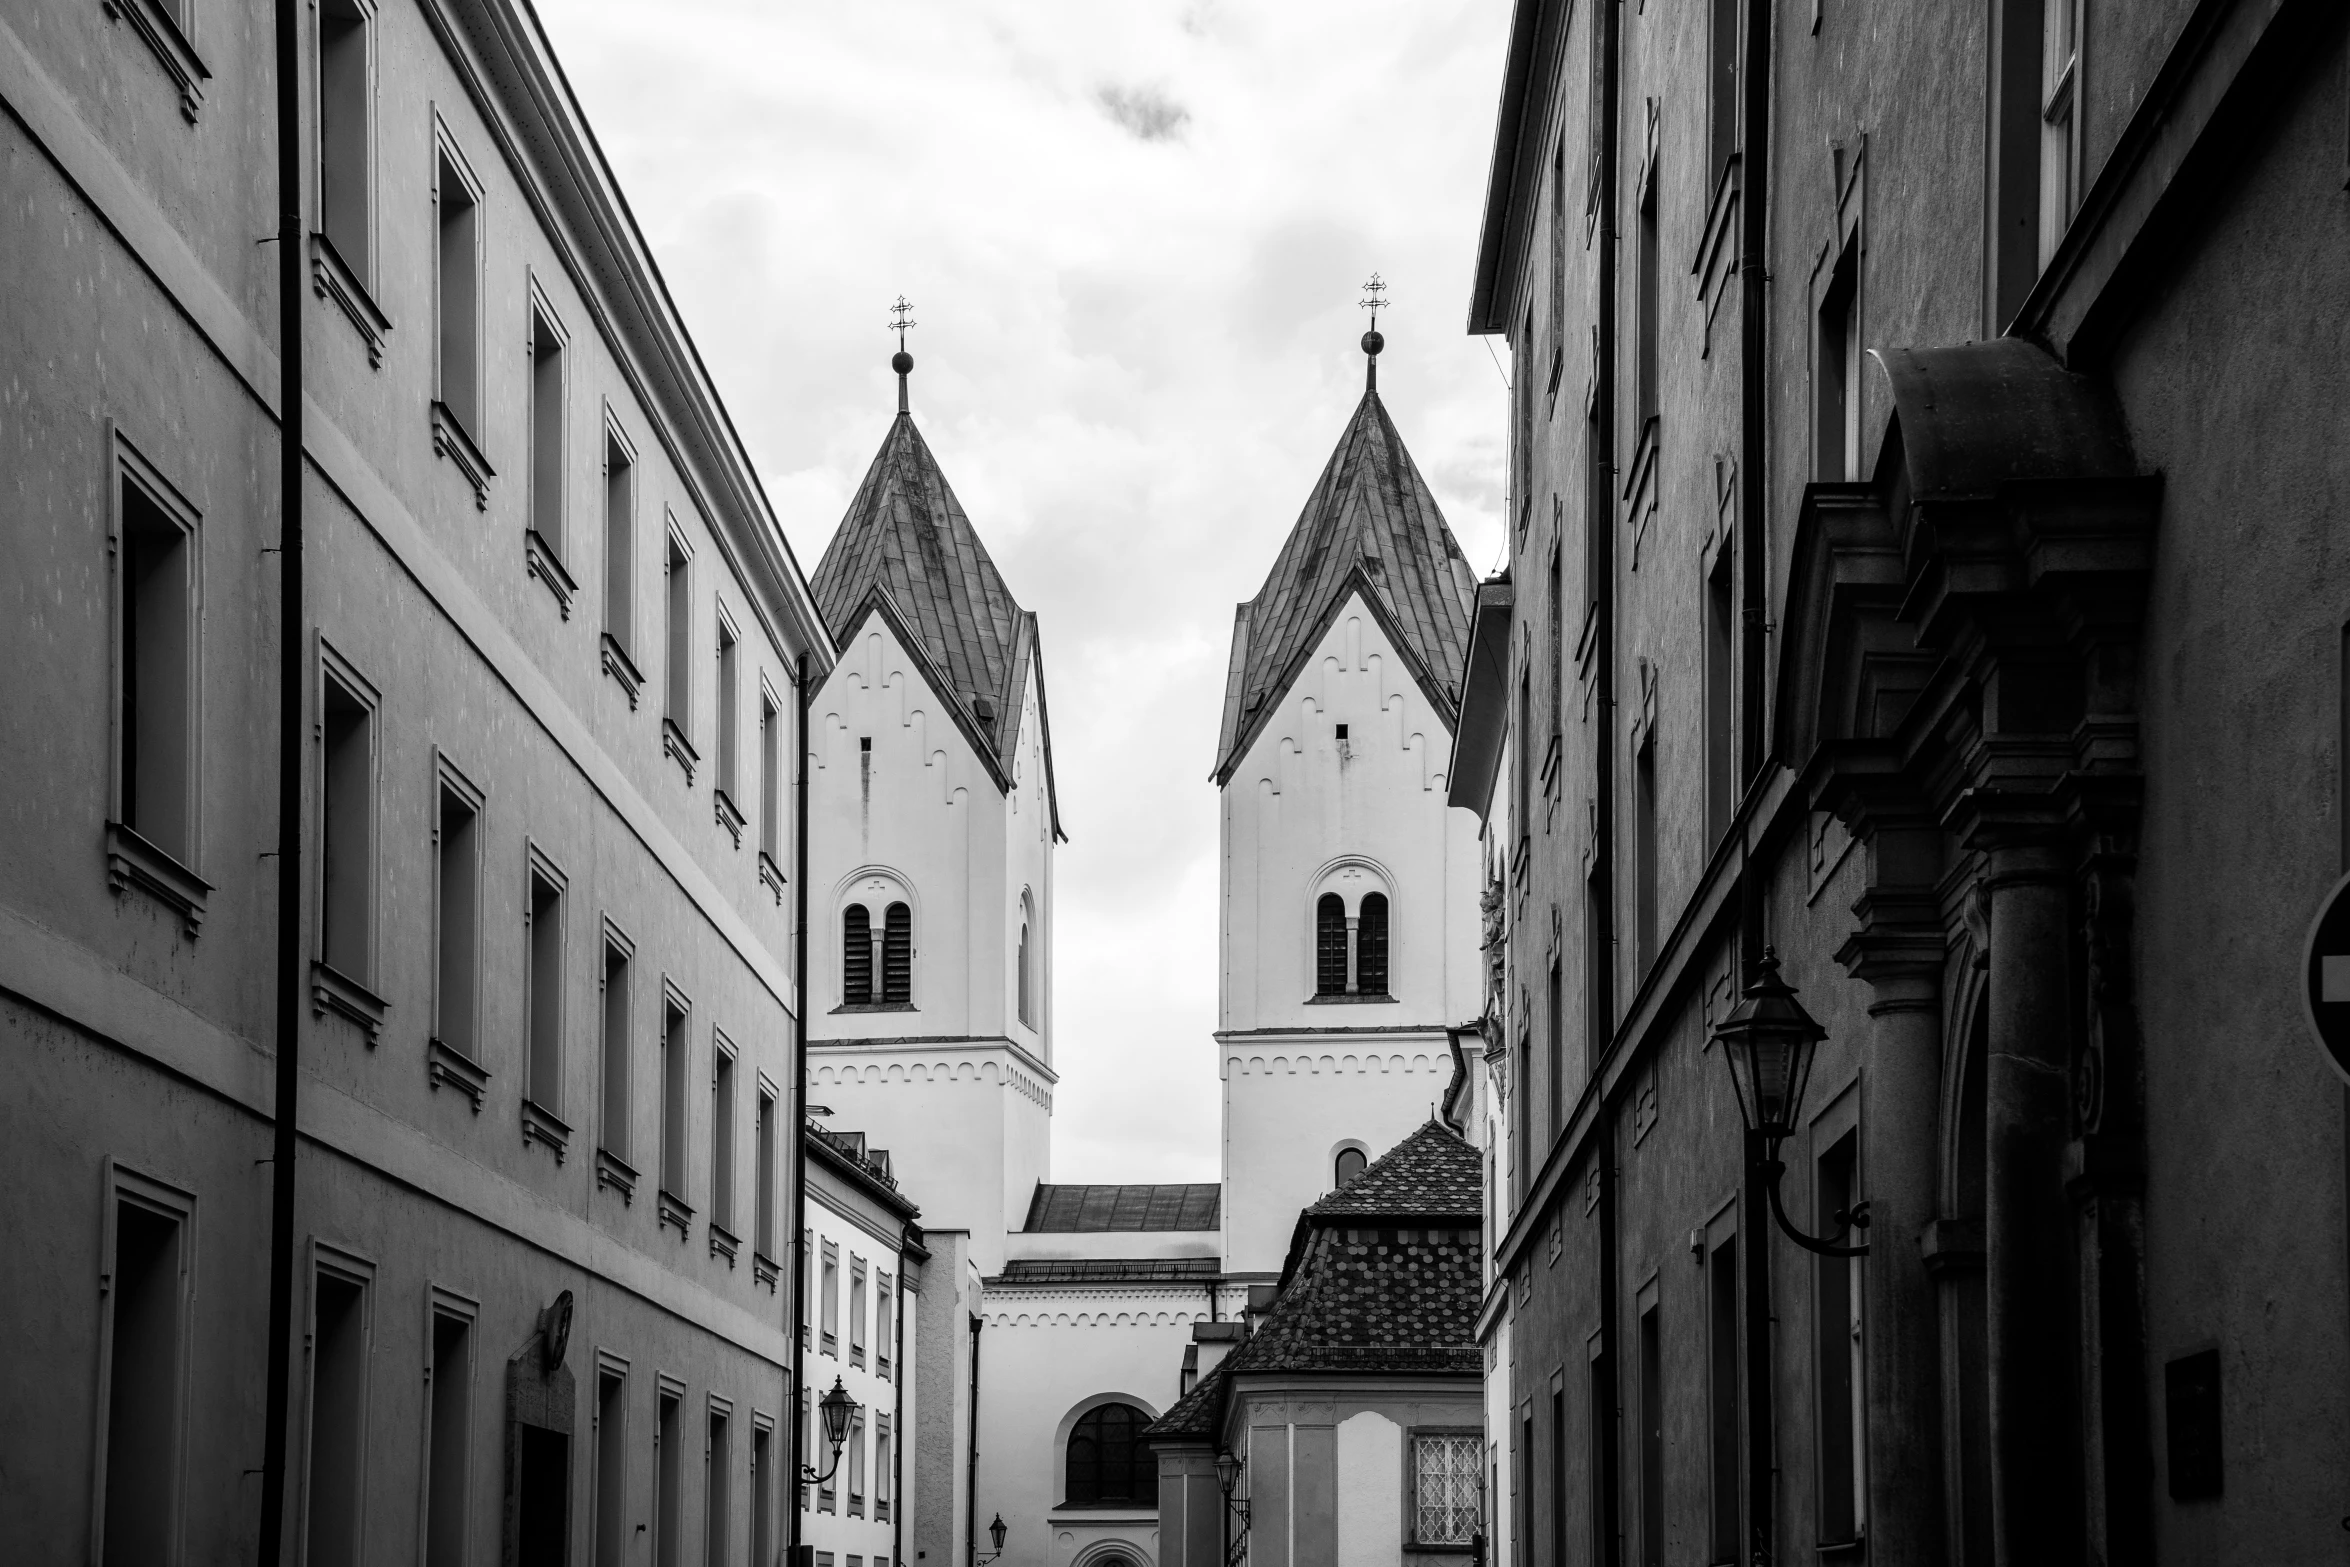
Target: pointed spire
901	361
1372	341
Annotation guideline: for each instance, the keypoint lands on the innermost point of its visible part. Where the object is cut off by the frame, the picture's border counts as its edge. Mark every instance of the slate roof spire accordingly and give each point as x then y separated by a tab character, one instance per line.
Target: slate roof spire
1371	524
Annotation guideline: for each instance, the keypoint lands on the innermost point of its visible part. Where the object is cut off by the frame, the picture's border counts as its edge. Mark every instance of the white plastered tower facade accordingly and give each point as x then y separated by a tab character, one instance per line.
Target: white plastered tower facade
932	832
1334	1033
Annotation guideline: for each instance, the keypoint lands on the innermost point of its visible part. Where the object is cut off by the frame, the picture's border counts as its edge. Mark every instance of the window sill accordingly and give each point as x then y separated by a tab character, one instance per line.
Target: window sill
674	742
447	1064
674	1210
539	1124
1375	998
332	990
1109	1512
874	1006
131	861
172	50
728	817
541	561
828	1344
771	876
1415	1548
331	278
1852	1550
622	668
764	1270
450	440
617	1173
723	1242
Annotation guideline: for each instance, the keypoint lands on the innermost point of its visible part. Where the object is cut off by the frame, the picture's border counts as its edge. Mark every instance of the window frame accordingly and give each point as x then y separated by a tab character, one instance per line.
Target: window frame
168	29
119	1183
1473	1438
439	1302
677	1115
609	1369
350	281
337	987
1094	1410
773	784
1835	1131
726	678
616	943
454	435
677	650
542	1113
725	1147
353	1268
618	639
544	552
450	780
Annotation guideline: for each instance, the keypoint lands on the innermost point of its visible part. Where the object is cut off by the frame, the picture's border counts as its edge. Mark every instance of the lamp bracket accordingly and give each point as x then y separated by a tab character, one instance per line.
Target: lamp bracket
1774	1169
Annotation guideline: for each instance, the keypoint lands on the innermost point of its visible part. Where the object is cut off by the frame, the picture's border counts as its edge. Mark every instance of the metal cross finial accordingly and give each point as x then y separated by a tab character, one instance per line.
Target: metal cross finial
903	312
1372	300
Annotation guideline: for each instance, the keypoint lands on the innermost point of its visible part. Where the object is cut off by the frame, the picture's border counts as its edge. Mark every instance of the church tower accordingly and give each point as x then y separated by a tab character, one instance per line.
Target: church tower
1349	923
932	828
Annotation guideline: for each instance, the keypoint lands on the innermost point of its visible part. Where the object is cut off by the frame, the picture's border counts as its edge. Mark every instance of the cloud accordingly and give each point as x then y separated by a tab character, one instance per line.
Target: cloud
1147	112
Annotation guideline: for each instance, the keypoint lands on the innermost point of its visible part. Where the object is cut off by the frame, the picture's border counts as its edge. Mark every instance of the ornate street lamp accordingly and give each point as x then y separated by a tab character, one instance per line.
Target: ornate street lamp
1228	1469
1767	1042
838	1409
995	1532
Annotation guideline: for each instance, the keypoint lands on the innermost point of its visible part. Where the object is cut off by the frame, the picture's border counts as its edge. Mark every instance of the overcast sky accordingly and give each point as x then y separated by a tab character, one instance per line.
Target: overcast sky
1134	235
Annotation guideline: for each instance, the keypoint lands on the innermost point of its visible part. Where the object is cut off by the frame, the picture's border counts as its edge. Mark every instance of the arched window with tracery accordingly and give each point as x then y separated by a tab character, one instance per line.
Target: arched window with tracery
1330	945
1371	946
856	956
1108	1465
897	956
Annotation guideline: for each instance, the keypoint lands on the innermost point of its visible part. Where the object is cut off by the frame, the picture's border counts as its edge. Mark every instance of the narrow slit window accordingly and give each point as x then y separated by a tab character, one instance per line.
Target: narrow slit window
1652	1440
668	1483
722	1140
675	1049
619	543
346	135
897	955
458	889
763	1216
613	1535
762	1495
828	1300
717	1506
1330	945
546	429
155	665
147	1304
545	1000
884	1325
1645	829
1721	796
1836	374
856	1311
678	636
729	708
770	779
335	1474
1555	667
1647	302
856	955
1555	1019
346	869
882	1461
457	295
2060	88
1371	946
617	1061
1027	1016
449	1426
854	1461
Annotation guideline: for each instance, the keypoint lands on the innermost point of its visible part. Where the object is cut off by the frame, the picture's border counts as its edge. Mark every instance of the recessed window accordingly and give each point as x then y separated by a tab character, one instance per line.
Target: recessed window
856	1312
346	134
677	610
1836	1316
613	1535
897	955
1836	373
1330	945
448	1428
828	1300
676	1049
346	861
335	1476
762	1493
853	1460
668	1482
1027	1014
546	426
1371	946
1645	830
2060	90
148	1262
718	1469
763	1216
771	782
1107	1463
1721	87
620	543
1652	1439
155	668
729	708
457	899
1721	790
1445	1489
884	1325
1721	1414
1647	302
457	290
1554	1019
1555	664
544	1002
722	1139
1349	1164
856	955
618	1060
882	1468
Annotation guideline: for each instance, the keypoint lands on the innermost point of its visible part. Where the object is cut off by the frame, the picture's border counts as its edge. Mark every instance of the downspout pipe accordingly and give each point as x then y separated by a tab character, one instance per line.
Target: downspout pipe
971	1474
290	144
795	1315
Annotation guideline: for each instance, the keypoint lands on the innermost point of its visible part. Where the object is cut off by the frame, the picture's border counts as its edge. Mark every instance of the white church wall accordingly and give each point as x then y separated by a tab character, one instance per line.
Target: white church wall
1027	883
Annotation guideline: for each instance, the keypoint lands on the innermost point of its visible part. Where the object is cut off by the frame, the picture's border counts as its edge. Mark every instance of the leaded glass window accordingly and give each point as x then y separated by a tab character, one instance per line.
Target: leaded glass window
1445	1489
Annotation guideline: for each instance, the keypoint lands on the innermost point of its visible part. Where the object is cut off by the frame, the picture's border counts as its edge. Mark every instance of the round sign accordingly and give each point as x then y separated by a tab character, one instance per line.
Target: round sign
2325	978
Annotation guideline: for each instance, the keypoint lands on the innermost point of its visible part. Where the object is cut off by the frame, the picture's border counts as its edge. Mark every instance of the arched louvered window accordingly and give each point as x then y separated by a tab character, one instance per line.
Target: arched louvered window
1350	1164
1108	1464
856	956
1027	1014
1371	946
897	955
1330	945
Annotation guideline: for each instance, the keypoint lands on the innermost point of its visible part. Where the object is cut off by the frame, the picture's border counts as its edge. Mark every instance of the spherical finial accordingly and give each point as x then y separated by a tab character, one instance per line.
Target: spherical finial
902	362
1373	341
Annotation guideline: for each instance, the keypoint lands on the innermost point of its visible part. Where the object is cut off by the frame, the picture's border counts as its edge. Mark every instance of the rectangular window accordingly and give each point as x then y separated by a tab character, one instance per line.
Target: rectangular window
828	1300
729	708
613	1535
346	861
1721	790
2060	91
1835	374
1445	1470
1599	1022
1652	1440
346	135
716	1506
457	904
1525	745
808	1453
1558	263
1645	829
1522	1112
1836	1319
457	290
854	1461
762	1493
1722	89
856	1311
544	1002
155	664
722	1136
882	1471
669	1480
884	1325
148	1252
546	427
616	1053
619	542
1599	518
1721	1414
2012	151
1555	669
1523	358
335	1474
676	1048
1599	1431
1558	1470
677	637
763	1215
770	780
1647	301
1555	1019
448	1435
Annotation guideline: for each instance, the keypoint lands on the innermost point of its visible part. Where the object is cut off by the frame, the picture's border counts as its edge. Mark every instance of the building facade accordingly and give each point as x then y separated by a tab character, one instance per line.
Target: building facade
547	1088
1882	500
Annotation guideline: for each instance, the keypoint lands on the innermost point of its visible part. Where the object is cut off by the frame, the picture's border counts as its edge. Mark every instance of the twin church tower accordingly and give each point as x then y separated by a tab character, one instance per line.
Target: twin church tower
1348	889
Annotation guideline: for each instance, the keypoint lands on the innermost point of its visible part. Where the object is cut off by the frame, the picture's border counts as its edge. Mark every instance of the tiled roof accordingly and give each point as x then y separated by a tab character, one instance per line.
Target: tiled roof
1370	520
1097	1208
1108	1270
1198	1413
907	541
1431	1173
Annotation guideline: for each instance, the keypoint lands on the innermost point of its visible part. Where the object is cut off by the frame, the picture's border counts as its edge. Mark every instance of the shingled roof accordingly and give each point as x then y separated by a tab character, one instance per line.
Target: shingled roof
907	549
1371	524
1080	1209
1431	1174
